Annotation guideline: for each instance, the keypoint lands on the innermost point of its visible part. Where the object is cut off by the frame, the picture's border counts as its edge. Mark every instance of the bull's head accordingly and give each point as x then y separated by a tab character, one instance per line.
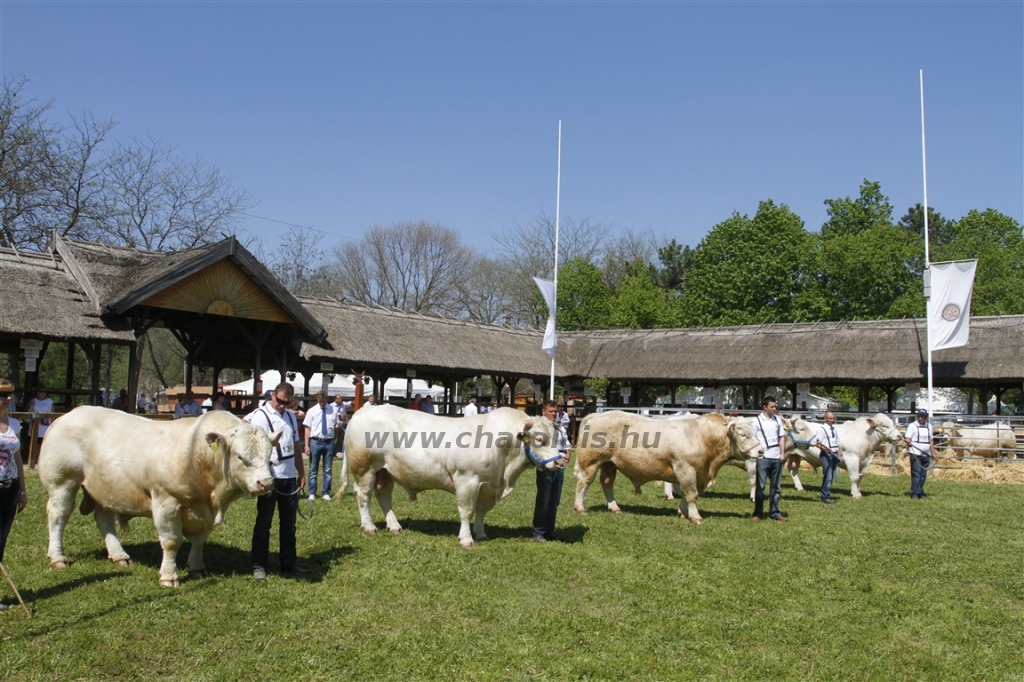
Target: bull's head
799	432
743	440
885	426
540	442
246	450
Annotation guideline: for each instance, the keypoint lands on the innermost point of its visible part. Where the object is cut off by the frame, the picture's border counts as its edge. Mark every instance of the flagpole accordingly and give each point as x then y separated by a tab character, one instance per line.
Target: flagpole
927	258
558	200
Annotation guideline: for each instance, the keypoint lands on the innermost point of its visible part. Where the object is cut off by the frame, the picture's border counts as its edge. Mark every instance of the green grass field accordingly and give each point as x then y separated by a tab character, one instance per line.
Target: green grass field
878	588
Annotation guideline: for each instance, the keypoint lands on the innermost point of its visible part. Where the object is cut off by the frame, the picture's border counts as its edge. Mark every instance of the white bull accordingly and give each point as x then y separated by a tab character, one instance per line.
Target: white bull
991	440
183	474
478	458
688	452
858	441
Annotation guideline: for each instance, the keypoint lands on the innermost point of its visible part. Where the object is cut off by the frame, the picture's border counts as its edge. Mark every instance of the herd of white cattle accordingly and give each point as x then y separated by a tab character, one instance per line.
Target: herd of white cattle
185	473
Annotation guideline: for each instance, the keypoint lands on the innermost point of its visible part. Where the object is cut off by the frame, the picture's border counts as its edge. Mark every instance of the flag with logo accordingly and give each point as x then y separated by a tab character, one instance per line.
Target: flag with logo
547	290
949	306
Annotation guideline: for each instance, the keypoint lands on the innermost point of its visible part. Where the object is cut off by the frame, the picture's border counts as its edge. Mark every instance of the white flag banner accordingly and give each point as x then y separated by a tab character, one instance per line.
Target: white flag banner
949	307
547	290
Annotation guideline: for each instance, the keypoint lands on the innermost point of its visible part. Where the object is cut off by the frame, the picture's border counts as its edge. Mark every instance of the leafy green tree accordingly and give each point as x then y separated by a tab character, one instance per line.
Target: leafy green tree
674	260
853	216
997	241
584	300
639	303
747	271
864	274
940	230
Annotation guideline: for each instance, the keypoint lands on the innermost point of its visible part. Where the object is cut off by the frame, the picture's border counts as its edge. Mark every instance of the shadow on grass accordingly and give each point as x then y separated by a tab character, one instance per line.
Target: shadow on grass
568	534
31	596
223	561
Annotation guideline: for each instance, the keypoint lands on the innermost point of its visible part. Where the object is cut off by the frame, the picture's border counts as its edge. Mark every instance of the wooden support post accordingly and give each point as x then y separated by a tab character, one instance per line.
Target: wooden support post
69	377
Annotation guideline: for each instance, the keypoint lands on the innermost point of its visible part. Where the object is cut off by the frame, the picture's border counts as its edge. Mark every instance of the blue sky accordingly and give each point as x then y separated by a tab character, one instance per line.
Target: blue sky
341	115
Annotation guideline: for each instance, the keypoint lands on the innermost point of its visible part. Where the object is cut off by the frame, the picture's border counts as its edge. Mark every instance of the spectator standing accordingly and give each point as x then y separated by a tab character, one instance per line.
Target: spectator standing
13	496
219	402
41	403
427	405
189	407
470	408
919	439
769	431
415	404
549	483
319	446
827	440
121	401
289	478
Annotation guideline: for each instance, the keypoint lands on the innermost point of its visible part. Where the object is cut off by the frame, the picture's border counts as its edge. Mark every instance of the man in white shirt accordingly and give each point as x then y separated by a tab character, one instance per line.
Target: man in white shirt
289	477
320	422
827	439
470	409
769	431
919	439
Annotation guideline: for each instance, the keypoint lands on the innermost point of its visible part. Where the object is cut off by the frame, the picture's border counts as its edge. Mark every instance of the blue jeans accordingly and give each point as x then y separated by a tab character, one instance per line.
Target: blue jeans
768	470
549	493
918	472
285	499
829	465
320	450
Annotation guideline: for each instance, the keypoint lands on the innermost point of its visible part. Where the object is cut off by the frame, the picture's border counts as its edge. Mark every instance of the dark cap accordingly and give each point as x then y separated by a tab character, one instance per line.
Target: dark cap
922	413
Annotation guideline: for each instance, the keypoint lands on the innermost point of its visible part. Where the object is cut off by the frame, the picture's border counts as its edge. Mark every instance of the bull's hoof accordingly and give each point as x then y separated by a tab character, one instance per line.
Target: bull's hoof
395	531
201	573
62	563
697	520
580	510
170	583
125	563
614	508
370	530
466	544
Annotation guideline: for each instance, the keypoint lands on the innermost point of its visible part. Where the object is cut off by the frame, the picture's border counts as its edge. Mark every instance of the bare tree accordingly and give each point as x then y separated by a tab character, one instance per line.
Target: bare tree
629	248
162	202
533	247
56	178
483	292
26	152
412	266
298	263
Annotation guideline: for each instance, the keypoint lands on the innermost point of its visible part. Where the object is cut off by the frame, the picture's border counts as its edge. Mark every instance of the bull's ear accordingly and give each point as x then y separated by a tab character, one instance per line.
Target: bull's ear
216	442
528	424
275	437
871	422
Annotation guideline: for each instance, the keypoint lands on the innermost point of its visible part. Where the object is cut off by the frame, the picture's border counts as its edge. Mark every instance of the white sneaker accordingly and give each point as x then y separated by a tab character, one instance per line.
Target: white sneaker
327	497
312	497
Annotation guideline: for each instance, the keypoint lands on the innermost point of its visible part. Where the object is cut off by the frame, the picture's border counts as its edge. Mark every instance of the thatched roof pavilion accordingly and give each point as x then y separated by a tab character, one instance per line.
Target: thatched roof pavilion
228	310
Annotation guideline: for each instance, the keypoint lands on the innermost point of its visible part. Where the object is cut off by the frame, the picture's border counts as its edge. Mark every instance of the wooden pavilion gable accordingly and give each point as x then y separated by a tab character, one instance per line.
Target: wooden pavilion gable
220	289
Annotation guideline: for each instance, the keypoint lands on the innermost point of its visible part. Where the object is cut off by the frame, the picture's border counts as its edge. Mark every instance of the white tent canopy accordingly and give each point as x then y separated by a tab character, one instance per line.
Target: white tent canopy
341	385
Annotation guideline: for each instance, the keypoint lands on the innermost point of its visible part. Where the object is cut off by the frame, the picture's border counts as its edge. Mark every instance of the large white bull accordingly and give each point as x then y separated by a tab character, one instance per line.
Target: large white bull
858	441
685	451
182	473
991	440
478	458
